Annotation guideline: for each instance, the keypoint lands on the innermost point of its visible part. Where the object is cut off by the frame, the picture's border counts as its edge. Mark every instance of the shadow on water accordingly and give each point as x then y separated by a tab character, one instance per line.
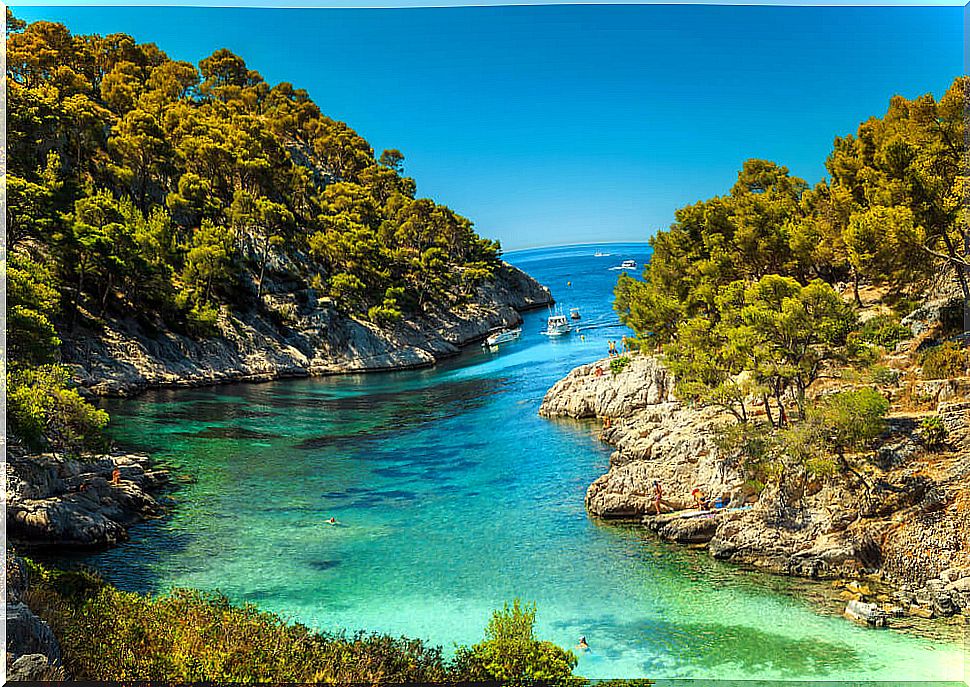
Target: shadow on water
230	432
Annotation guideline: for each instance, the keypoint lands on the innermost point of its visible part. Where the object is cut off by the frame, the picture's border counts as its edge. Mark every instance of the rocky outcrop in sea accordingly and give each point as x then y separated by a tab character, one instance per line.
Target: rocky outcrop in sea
89	502
292	334
906	530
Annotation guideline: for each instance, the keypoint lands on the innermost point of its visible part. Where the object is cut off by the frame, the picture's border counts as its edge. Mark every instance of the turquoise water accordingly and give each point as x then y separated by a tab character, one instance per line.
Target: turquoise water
453	497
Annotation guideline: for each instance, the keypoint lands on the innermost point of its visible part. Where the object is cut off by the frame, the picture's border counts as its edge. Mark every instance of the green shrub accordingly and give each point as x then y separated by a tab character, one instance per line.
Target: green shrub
753	445
945	361
47	415
381	314
202	320
617	365
189	636
510	653
885	331
932	432
883	375
849	420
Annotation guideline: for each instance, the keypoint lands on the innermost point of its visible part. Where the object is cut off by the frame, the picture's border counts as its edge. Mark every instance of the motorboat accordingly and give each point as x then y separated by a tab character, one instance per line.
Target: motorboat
601	254
557	325
503	336
626	265
574	313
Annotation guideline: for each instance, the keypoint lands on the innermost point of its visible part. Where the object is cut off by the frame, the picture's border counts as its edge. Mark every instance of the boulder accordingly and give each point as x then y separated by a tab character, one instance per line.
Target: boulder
584	393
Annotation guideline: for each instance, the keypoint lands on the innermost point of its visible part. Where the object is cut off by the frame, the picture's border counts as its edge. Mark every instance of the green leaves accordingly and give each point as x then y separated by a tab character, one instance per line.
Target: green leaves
32	303
48	415
768	338
510	653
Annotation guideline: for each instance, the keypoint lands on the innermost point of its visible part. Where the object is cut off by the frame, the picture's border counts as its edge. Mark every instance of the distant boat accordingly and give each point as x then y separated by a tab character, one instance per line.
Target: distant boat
503	336
557	325
626	265
574	313
601	254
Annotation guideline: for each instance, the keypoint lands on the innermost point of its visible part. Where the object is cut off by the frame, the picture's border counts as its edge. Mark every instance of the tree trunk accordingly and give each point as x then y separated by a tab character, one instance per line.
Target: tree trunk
104	296
957	267
767	402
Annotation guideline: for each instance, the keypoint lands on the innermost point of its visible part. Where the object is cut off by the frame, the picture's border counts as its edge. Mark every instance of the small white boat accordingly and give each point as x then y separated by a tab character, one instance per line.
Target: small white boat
557	325
574	313
601	254
503	336
626	265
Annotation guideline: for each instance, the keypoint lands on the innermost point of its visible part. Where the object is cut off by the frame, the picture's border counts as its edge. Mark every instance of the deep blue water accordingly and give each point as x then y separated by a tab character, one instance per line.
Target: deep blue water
453	497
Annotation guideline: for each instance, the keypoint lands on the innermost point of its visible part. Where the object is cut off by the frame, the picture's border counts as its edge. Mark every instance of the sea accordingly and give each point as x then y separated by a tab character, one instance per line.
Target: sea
452	497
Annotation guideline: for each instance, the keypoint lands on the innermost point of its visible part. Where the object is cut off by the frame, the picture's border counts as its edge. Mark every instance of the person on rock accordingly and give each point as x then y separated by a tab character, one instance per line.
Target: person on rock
700	502
658	499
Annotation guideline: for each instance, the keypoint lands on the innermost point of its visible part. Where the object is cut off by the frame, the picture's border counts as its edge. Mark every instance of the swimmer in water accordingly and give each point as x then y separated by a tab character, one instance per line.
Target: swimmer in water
583	646
332	521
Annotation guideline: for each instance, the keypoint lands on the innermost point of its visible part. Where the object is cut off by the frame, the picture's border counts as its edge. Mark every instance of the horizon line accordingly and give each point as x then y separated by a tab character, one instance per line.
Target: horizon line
505	251
451	4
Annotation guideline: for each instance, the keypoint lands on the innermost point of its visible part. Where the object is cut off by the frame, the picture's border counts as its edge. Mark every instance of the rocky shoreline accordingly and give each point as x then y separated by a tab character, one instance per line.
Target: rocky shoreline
903	544
60	503
292	334
82	503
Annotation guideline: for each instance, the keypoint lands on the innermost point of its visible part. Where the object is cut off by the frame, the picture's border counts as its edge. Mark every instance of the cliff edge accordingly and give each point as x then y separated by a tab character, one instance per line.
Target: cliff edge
292	333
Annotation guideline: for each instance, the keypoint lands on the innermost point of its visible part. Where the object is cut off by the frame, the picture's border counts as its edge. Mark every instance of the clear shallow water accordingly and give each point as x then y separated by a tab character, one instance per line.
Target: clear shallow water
453	497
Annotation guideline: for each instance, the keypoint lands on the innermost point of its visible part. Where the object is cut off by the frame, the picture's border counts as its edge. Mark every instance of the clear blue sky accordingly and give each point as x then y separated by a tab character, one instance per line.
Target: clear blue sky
568	124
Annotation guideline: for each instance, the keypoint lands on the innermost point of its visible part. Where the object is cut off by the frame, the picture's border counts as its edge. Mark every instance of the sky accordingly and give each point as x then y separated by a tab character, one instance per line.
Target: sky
573	124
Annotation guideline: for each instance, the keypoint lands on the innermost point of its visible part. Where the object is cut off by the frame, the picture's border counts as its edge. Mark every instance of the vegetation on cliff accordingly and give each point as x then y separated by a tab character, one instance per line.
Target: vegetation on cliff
743	294
189	636
149	187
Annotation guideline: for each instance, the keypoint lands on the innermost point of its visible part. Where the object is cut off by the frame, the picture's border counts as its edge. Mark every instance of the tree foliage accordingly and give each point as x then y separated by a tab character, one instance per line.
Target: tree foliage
511	655
109	136
892	208
140	185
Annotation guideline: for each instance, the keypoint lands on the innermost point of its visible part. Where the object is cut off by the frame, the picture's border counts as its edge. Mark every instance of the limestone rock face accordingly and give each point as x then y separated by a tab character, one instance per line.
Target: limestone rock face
32	649
907	521
583	393
656	437
53	501
292	334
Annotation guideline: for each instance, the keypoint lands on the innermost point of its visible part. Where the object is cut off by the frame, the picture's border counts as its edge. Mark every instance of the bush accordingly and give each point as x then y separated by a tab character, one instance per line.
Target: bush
883	375
945	361
202	320
381	314
512	655
753	445
885	331
850	420
617	365
189	636
45	414
932	432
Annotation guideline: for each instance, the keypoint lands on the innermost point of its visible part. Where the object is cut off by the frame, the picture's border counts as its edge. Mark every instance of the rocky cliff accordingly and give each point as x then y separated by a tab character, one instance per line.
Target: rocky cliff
292	334
656	437
906	529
